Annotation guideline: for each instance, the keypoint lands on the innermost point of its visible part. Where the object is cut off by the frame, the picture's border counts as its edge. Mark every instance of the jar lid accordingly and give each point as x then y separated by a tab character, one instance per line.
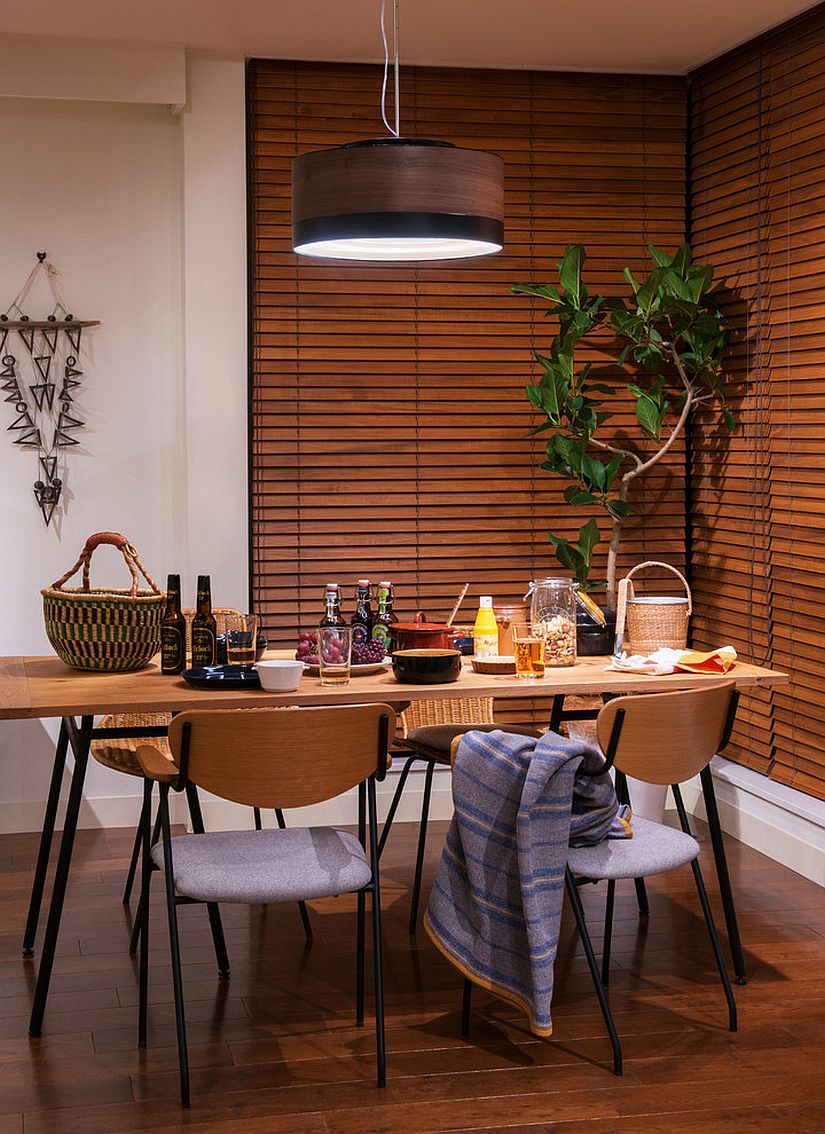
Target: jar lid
552	581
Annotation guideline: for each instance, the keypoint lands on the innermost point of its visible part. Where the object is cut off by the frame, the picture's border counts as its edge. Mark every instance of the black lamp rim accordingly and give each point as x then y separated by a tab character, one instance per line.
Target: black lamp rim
393	141
392	225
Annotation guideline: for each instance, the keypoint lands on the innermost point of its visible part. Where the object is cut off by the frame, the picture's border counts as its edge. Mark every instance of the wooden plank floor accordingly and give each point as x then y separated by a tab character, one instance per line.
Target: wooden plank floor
274	1050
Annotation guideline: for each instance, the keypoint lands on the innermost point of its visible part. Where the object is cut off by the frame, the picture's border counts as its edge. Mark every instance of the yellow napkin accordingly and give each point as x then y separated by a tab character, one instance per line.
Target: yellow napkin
713	661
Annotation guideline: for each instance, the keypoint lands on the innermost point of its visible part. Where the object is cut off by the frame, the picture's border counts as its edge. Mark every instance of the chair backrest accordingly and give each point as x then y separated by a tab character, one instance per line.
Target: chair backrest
282	757
667	738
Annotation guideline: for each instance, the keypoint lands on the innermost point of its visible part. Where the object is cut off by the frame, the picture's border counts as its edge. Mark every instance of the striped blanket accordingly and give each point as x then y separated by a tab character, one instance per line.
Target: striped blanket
496	903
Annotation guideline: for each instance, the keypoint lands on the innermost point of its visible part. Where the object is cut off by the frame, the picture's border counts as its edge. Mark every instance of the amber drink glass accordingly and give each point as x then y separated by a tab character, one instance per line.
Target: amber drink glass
334	653
241	632
528	647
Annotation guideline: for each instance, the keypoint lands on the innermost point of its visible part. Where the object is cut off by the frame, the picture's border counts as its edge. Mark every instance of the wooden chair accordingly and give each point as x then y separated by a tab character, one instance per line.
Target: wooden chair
428	730
310	755
120	755
660	738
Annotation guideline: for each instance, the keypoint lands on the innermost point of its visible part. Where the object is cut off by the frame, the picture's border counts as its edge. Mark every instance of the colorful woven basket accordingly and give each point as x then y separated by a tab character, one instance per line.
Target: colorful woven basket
104	629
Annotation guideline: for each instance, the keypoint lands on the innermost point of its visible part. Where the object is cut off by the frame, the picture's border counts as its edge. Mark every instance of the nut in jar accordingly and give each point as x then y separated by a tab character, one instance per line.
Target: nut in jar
560	640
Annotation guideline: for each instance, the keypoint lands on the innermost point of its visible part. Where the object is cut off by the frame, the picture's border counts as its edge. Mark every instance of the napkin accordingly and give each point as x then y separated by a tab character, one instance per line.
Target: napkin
668	661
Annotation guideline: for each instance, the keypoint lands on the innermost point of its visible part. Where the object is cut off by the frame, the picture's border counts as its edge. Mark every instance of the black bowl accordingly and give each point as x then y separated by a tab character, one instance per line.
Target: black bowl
426	667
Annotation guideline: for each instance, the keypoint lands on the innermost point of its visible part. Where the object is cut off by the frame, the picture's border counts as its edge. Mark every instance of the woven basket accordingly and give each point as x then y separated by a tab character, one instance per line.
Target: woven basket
104	629
652	621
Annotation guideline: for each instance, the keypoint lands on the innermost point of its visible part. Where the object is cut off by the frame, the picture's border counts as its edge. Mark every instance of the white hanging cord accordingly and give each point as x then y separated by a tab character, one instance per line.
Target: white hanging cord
51	276
396	130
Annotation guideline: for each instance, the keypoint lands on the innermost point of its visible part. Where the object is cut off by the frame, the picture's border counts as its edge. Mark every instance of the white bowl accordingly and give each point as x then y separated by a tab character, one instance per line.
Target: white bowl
281	675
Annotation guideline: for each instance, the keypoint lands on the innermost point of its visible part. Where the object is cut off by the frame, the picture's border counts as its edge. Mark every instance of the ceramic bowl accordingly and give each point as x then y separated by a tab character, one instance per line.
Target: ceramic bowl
282	675
426	666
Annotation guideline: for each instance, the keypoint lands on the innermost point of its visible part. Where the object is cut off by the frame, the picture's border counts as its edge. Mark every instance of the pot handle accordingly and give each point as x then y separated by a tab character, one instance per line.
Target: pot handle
420	617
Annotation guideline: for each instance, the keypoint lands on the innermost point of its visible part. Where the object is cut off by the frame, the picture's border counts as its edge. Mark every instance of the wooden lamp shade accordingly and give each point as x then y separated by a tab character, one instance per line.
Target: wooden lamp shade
398	199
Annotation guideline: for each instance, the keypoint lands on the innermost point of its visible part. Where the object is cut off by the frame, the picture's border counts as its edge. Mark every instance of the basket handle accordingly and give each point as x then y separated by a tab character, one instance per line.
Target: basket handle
115	539
626	591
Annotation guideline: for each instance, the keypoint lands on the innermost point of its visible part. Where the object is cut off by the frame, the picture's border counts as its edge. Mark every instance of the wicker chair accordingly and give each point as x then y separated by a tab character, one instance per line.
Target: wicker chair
428	729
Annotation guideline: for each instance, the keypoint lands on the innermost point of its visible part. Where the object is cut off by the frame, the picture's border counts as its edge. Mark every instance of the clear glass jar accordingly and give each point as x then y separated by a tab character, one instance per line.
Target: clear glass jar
553	607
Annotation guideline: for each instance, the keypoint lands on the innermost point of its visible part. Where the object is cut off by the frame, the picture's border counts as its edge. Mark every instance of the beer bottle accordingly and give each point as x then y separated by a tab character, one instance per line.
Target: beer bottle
362	621
204	627
173	630
332	607
382	629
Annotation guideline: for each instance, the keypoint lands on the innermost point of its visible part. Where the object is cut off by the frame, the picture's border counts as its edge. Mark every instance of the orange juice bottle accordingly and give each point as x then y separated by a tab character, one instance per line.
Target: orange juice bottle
485	631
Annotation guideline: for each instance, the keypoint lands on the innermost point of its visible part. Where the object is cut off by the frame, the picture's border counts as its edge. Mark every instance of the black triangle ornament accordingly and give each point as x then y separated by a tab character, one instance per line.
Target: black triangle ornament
63	440
44	369
43	393
8	370
28	338
50	335
74	334
66	422
24	421
70	370
49	466
32	438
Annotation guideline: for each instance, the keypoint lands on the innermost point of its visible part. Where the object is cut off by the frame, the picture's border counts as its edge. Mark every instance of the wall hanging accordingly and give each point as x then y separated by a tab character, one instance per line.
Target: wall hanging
40	376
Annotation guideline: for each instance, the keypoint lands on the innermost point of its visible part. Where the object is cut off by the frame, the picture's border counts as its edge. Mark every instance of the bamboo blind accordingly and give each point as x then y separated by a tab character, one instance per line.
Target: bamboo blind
758	517
388	417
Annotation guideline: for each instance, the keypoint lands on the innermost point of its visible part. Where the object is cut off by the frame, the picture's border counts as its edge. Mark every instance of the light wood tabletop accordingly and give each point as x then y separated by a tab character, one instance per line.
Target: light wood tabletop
45	687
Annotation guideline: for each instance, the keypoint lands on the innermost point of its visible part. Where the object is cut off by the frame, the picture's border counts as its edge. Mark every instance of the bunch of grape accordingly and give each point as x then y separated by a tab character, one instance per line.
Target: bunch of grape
368	653
307	648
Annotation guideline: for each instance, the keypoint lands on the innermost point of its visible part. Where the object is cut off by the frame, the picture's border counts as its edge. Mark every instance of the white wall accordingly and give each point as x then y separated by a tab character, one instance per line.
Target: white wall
144	214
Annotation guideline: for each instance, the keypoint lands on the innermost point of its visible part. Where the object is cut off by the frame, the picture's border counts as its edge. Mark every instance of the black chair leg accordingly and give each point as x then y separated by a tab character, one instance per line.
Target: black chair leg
641	897
377	958
466	998
135	938
422	842
256	814
133	861
360	959
723	876
608	932
215	923
717	948
302	906
174	945
396	799
578	913
142	917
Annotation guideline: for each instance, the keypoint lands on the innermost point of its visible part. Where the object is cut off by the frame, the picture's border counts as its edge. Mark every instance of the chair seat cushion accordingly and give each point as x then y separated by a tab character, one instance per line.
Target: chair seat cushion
267	866
653	849
432	742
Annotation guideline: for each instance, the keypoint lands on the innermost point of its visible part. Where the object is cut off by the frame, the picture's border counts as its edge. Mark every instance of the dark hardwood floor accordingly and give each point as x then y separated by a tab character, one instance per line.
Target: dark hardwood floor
274	1049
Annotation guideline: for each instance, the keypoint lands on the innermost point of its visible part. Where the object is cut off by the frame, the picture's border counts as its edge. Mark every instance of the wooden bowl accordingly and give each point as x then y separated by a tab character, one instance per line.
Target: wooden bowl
504	663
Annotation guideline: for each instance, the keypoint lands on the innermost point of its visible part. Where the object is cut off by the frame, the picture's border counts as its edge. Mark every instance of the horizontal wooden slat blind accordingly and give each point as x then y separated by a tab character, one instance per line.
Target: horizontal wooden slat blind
388	412
758	212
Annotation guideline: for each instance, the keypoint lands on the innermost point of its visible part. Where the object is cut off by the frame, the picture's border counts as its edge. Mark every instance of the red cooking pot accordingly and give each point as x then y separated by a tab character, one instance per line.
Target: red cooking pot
421	634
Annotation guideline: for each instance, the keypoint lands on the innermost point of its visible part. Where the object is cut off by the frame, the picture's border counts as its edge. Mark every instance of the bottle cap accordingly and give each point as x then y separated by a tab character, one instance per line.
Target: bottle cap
385	583
331	586
485	601
363	582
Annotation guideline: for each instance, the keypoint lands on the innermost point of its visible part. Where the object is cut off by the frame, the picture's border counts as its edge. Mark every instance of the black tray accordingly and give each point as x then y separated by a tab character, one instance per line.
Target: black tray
222	677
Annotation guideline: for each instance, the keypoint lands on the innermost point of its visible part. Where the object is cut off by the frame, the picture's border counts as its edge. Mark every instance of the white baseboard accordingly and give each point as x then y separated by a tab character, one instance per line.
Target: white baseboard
219	815
782	823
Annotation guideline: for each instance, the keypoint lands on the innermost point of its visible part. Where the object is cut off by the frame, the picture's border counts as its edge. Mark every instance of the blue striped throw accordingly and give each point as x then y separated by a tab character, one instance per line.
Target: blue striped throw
495	906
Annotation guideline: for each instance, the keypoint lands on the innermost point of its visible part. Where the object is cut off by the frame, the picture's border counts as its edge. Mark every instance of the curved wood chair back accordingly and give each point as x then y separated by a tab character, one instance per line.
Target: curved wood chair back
667	738
282	758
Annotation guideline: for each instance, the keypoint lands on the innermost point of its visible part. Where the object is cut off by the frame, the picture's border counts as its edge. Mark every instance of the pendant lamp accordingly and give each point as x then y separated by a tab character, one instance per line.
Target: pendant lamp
396	198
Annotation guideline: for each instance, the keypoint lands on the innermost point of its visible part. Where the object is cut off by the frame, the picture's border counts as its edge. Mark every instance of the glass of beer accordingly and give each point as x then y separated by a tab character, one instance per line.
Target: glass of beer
528	647
241	632
334	653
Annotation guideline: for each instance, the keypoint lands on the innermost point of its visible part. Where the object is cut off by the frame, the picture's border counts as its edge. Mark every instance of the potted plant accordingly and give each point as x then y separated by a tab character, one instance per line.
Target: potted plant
663	346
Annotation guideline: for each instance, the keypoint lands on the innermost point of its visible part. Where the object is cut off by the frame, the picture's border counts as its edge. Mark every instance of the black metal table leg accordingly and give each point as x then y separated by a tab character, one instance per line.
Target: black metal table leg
46	836
723	876
79	739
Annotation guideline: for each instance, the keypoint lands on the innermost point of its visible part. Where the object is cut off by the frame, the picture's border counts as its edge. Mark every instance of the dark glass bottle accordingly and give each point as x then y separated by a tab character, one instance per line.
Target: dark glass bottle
173	630
382	628
204	627
362	620
332	607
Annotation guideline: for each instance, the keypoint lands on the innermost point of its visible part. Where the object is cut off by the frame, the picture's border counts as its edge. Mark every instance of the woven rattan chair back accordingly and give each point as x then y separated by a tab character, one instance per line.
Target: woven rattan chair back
459	710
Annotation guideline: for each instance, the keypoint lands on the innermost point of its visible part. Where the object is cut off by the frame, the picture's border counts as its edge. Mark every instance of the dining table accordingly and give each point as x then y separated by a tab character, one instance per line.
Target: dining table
43	687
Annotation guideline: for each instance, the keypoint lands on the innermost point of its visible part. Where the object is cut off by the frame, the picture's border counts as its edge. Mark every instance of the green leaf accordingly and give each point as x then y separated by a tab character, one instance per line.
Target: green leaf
543	291
649	417
660	259
730	420
589	536
570	271
628	275
620	509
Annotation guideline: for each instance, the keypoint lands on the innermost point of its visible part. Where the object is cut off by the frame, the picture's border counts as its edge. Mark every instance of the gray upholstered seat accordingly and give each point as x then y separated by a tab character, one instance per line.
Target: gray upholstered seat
653	849
433	742
267	866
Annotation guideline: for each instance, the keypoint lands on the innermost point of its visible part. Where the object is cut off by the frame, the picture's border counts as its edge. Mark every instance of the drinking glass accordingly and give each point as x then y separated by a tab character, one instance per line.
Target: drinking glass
528	647
334	653
241	633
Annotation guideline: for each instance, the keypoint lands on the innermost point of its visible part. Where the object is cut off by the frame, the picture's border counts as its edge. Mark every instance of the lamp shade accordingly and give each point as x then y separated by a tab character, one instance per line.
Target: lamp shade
397	199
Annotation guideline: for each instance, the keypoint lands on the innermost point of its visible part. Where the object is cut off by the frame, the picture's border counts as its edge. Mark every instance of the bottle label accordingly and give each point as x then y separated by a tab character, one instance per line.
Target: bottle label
360	635
172	649
203	646
380	633
485	645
